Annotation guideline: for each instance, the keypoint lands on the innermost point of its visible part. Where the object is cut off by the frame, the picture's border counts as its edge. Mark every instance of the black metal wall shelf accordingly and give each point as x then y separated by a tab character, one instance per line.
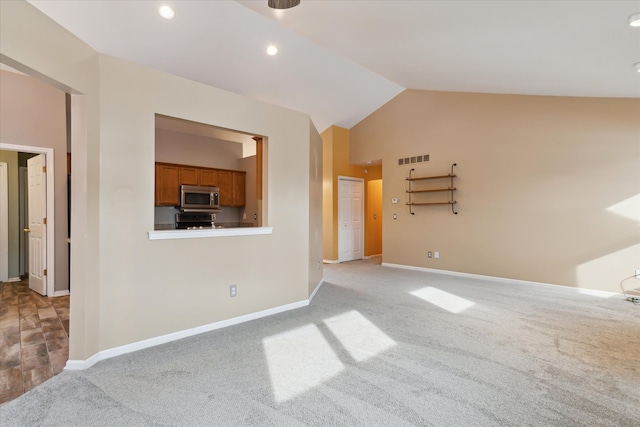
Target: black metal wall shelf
450	189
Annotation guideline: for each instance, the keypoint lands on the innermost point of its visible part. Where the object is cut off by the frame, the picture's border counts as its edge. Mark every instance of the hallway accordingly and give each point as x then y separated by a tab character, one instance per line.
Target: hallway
34	338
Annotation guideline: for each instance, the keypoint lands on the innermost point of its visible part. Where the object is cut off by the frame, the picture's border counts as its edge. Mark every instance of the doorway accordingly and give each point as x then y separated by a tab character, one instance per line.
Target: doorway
48	251
373	222
350	218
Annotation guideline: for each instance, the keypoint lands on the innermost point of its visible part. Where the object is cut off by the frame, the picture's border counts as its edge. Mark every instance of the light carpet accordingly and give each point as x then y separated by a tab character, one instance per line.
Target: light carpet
378	346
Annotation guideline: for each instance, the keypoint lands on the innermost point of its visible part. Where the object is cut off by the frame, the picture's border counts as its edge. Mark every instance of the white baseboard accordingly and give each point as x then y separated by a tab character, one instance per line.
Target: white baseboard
330	261
163	339
372	256
61	293
13	279
315	291
493	278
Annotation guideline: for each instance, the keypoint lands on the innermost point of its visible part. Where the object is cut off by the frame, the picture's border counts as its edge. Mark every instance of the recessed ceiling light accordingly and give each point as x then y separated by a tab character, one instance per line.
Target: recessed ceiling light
166	12
637	66
634	20
283	4
272	50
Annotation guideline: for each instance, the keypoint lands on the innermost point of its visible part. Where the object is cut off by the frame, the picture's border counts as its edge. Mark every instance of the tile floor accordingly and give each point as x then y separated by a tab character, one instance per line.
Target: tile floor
34	338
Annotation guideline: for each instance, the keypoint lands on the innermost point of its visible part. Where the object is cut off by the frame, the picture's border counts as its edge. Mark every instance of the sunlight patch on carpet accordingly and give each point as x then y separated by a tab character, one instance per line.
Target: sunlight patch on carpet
361	338
299	360
444	300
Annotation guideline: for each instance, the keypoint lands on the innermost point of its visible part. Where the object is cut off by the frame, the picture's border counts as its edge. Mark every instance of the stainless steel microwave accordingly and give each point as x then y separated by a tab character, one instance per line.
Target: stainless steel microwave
199	198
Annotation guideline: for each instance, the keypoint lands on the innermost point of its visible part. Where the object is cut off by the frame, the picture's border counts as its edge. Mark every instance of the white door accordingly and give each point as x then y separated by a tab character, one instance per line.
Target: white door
37	195
350	219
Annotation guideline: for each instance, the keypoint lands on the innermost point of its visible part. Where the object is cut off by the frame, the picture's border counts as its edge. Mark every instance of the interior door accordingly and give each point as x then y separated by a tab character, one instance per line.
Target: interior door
350	219
37	195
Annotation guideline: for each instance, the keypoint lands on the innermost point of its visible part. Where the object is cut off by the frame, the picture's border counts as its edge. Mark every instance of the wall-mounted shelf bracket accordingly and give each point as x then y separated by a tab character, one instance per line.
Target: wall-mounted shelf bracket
450	189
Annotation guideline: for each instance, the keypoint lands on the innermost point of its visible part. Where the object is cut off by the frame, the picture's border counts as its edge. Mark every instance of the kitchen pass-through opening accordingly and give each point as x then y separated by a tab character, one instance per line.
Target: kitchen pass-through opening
229	164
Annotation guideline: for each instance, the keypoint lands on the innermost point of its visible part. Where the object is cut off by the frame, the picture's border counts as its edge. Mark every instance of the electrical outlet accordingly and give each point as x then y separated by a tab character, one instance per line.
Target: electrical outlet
637	273
319	265
429	254
233	291
436	254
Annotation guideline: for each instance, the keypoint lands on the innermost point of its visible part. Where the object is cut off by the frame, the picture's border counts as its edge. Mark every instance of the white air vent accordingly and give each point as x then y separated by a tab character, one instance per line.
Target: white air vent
414	159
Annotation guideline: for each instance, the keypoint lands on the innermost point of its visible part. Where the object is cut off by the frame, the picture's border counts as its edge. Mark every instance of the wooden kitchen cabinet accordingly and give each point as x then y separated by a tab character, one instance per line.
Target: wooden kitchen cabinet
169	177
209	177
225	184
189	175
239	179
232	188
167	185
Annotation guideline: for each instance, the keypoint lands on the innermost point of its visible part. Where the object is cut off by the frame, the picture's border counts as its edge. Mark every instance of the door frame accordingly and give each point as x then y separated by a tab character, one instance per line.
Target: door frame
23	220
48	152
4	221
361	181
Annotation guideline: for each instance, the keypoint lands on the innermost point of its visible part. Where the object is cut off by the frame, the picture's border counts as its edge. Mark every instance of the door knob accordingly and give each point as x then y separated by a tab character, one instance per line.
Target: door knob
28	230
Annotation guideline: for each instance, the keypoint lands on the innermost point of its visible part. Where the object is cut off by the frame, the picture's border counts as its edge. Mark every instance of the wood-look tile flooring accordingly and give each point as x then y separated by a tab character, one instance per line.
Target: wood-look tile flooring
34	338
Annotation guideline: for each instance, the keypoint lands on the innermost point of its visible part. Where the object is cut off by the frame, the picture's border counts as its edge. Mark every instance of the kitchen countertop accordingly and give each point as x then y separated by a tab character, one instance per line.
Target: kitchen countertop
169	234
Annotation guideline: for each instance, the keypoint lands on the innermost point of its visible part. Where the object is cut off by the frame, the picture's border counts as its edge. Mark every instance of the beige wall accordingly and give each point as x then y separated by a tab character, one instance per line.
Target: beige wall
548	187
33	114
328	219
315	208
127	283
195	150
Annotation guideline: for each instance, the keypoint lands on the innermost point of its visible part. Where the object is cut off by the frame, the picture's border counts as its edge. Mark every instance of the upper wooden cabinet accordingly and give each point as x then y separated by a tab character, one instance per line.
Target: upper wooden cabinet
232	188
209	177
189	175
169	177
225	185
167	185
239	179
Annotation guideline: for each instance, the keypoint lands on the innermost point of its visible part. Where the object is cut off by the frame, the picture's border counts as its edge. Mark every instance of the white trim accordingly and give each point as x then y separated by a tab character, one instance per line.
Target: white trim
214	232
330	261
51	220
61	293
13	279
482	277
372	256
163	339
315	291
4	221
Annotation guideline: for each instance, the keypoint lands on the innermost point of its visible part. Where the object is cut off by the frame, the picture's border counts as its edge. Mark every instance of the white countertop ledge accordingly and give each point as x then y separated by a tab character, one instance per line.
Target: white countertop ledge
213	232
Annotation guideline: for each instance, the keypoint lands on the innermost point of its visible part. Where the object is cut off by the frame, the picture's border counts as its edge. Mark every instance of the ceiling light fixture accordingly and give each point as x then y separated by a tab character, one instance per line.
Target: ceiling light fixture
272	50
634	20
637	66
166	12
283	4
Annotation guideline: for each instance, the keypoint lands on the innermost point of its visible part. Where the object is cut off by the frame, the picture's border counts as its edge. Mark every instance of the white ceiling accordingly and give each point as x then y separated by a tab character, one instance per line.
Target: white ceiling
341	60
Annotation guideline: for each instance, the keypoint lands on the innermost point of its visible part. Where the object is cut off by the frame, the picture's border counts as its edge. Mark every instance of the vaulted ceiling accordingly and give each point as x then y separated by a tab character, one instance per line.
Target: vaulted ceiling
339	61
